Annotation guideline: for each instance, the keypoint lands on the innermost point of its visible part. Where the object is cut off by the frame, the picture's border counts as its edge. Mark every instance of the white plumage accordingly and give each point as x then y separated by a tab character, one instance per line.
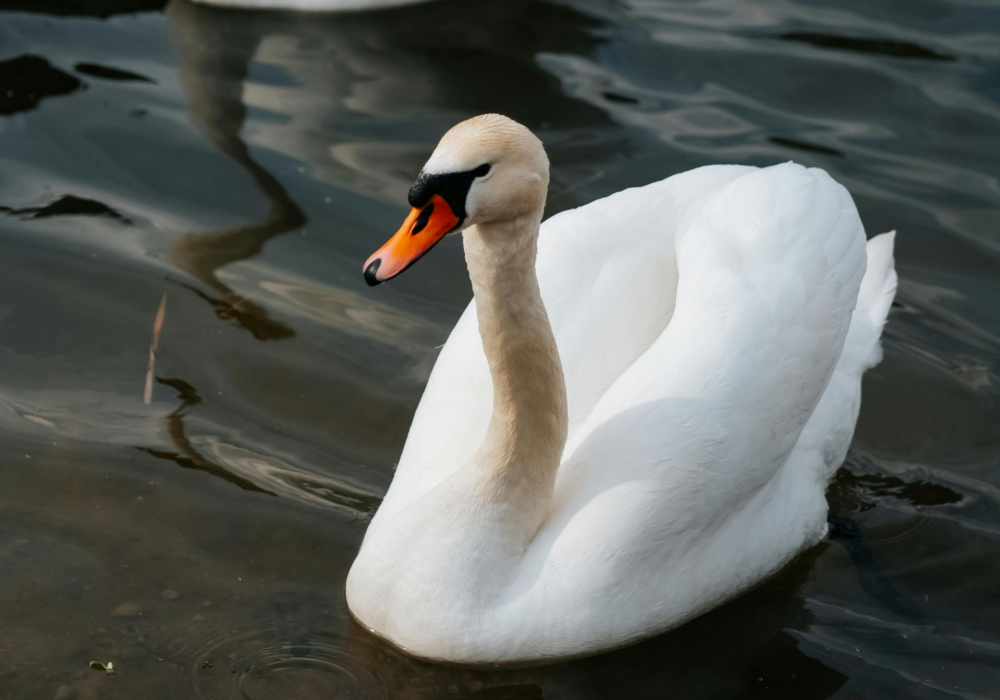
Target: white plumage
712	338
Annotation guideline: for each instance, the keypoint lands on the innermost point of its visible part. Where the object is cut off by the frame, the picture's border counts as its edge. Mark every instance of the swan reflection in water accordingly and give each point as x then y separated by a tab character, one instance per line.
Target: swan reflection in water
214	64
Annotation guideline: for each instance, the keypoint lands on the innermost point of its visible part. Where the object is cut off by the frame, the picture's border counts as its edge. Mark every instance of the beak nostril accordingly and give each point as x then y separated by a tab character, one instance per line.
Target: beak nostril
421	230
370	272
425	216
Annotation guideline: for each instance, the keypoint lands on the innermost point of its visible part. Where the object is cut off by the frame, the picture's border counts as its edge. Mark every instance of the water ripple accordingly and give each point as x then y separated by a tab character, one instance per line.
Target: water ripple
273	659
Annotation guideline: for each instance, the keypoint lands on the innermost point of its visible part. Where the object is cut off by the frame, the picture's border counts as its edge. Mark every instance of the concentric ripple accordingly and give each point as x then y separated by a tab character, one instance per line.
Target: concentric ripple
271	661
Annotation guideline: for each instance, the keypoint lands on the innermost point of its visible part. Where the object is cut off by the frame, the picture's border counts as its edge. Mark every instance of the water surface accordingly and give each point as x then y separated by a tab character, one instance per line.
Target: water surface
243	165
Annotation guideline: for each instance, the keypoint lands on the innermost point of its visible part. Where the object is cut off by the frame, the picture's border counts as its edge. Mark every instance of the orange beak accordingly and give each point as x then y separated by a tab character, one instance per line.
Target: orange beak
422	229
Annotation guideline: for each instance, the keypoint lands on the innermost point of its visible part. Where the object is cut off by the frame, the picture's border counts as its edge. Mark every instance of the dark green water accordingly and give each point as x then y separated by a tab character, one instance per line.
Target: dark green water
245	164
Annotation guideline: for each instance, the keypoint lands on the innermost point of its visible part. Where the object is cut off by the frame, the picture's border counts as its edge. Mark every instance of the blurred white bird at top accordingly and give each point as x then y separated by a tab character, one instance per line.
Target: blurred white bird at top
310	5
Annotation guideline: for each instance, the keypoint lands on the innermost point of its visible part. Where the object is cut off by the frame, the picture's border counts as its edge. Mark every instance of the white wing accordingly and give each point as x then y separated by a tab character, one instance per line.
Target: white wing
678	485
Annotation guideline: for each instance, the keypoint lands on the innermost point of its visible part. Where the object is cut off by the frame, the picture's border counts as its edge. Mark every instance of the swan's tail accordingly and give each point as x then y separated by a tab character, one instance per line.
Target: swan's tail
862	350
827	435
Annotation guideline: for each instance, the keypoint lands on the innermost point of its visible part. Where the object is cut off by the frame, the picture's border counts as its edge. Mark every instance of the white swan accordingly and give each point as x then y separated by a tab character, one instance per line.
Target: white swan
712	338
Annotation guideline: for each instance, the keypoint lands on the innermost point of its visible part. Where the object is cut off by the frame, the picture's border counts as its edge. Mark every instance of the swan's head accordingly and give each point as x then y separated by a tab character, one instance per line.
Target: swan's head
485	169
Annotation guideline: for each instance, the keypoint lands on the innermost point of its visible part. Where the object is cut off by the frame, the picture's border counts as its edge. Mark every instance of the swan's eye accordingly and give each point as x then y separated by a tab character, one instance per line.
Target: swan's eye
481	170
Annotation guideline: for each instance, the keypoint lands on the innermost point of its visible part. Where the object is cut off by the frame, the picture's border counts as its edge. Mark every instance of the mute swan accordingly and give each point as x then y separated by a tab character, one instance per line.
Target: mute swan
631	429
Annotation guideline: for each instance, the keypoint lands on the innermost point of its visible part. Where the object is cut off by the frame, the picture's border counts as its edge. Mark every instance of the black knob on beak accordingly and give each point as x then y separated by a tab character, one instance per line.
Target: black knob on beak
370	271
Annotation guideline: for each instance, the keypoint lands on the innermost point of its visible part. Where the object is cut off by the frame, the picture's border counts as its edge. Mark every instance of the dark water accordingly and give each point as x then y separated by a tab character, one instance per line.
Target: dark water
245	164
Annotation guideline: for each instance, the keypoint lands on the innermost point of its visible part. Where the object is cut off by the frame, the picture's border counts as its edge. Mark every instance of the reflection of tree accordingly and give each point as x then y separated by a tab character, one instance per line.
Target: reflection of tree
186	456
214	61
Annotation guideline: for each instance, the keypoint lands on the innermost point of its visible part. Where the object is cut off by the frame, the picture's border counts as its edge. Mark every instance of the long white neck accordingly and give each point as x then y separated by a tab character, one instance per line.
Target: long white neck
520	454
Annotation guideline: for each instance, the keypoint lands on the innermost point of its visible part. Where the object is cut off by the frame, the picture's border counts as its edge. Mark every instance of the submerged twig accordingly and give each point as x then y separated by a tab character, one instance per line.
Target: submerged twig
147	394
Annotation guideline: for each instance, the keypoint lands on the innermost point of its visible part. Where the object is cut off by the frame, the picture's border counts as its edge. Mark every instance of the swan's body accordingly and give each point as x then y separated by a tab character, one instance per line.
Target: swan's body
712	339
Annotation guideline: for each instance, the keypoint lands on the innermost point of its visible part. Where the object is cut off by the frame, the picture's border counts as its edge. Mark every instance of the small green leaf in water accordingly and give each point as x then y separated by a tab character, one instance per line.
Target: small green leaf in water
98	666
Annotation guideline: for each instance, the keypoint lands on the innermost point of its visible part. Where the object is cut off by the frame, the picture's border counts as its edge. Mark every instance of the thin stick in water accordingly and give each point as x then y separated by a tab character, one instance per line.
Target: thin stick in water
147	395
